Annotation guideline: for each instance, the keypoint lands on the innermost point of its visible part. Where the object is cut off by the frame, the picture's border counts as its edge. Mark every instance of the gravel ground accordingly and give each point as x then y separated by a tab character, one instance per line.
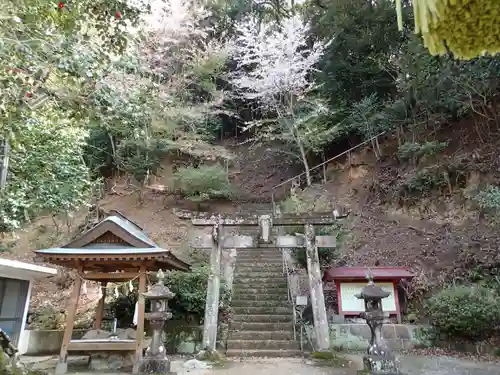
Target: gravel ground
410	365
261	366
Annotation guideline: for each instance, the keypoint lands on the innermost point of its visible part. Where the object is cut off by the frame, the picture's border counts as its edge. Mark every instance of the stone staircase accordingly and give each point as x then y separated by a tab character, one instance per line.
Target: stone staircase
262	324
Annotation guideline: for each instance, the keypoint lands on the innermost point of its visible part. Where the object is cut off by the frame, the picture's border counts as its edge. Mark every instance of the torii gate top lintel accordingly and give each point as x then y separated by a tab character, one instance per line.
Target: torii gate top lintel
326	218
265	224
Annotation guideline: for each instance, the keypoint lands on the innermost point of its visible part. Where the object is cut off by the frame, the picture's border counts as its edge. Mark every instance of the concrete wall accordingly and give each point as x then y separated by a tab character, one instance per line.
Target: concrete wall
354	337
43	342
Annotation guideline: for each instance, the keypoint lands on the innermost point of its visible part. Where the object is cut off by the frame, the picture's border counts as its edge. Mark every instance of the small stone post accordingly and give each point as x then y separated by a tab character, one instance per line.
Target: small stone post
265	226
316	291
213	291
379	359
155	360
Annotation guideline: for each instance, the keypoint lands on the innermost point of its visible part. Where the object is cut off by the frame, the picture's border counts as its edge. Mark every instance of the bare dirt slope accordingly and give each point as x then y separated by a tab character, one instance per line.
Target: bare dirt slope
440	233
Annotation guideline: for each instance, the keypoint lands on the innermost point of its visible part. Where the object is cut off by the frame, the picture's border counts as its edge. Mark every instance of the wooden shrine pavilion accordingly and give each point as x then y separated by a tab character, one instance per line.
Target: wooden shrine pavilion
116	250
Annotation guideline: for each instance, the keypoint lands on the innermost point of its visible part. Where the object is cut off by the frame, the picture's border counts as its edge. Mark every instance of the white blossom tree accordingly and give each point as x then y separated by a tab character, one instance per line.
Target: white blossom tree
152	82
273	67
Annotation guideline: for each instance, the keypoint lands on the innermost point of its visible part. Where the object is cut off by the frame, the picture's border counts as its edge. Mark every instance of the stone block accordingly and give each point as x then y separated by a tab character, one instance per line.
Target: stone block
103	362
360	330
238	241
326	241
96	334
388	332
402	332
202	241
394	344
337	319
357	344
344	330
289	241
407	344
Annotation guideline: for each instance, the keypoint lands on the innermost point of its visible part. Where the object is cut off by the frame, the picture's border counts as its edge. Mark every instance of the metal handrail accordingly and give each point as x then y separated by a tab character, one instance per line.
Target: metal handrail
276	213
321	165
290	294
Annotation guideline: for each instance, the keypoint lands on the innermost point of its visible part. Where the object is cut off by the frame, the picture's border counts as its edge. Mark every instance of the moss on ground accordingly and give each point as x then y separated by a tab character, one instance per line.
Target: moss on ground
329	358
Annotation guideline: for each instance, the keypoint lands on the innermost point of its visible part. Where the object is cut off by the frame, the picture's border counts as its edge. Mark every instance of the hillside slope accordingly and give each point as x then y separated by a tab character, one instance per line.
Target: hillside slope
438	229
438	232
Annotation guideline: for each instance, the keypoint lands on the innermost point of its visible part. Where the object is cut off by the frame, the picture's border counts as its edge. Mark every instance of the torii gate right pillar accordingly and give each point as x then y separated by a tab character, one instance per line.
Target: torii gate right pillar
316	290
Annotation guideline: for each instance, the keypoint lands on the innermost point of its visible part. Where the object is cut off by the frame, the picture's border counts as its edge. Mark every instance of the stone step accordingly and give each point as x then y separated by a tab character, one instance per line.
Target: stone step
260	297
259	274
261	335
263	353
249	260
269	303
263	250
244	252
256	279
262	310
252	267
263	318
262	326
263	344
255	288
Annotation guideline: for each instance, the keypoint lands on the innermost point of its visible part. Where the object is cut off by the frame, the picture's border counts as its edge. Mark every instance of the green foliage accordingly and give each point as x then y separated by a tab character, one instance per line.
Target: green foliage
418	151
299	204
190	290
203	183
423	182
463	312
489	199
326	255
210	129
123	307
47	318
40	183
359	29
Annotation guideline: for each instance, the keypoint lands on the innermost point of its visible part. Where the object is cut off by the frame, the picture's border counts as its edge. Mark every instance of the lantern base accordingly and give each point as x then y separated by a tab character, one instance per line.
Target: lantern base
155	366
380	365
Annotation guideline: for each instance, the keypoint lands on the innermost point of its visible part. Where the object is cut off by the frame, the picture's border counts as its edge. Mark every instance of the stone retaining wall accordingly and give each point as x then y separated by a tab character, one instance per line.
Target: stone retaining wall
355	337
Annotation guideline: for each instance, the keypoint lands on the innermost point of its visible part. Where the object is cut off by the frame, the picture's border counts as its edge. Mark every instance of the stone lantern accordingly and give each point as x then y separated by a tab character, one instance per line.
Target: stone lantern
155	361
379	358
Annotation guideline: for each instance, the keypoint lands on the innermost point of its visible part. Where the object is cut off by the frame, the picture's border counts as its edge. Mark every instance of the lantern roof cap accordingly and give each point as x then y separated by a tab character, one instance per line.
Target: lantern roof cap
159	290
372	291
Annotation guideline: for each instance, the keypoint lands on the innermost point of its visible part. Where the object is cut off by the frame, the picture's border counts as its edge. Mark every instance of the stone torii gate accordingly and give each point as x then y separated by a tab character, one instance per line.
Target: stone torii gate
217	241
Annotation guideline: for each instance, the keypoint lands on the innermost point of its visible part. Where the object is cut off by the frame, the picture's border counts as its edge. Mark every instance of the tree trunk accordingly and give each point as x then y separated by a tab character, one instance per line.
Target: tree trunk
4	163
304	161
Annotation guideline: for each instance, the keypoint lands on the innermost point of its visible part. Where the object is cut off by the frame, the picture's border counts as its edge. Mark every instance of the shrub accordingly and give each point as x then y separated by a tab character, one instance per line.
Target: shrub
188	304
326	255
47	317
203	183
418	151
423	183
489	198
461	312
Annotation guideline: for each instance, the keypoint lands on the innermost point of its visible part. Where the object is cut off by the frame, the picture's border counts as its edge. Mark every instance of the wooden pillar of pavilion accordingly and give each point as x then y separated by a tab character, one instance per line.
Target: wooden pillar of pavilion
62	364
99	313
141	307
